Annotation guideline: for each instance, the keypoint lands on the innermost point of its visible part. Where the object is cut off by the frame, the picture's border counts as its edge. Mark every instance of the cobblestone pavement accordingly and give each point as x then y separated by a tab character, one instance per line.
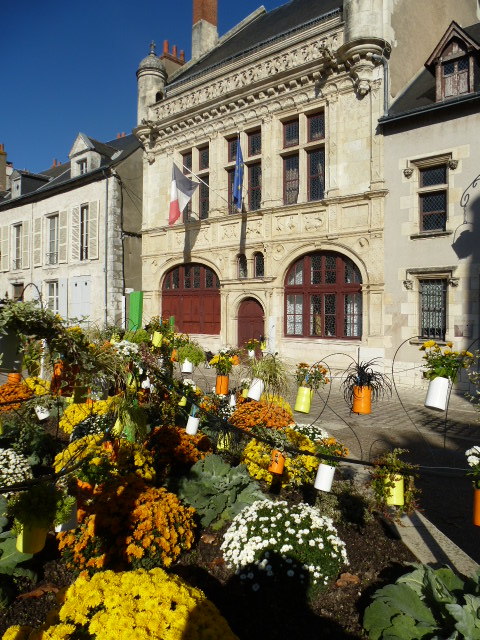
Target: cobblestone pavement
437	441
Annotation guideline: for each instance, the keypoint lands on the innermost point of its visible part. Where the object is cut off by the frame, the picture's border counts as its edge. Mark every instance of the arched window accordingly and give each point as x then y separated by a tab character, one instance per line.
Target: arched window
259	265
242	266
323	297
191	293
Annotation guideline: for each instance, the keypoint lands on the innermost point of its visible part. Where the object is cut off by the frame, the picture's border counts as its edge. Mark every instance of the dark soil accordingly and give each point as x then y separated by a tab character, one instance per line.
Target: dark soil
279	608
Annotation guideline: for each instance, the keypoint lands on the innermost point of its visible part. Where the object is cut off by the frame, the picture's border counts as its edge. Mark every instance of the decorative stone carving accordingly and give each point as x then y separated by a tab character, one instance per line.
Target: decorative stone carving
278	252
313	222
453	282
408	284
407	172
452	164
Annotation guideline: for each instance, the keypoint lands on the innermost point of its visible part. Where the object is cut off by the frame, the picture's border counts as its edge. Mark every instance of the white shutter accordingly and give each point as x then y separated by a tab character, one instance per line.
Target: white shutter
63	297
62	236
25	244
4	249
76	234
93	231
37	242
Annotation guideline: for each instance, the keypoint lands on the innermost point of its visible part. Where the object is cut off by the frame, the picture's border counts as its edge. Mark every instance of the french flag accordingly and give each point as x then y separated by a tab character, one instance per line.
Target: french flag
181	193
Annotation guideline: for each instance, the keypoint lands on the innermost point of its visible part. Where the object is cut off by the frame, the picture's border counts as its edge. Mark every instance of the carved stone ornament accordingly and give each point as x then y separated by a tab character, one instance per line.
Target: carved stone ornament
452	164
453	282
407	172
408	284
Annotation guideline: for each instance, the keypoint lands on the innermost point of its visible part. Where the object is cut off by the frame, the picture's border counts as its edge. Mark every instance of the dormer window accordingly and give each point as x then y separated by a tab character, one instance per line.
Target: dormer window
453	63
82	167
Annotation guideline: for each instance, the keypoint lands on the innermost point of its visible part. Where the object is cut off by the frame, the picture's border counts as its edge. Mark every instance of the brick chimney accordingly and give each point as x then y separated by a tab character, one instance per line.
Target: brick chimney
204	30
3	169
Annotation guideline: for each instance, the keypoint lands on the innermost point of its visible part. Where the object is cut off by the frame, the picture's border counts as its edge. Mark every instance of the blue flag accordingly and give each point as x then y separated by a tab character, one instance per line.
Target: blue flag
238	180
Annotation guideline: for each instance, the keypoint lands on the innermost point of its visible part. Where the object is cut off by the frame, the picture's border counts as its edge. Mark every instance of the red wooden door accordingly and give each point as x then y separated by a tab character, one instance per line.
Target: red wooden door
250	321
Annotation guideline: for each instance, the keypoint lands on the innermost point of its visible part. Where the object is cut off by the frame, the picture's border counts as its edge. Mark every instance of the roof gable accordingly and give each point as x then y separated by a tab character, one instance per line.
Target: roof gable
453	31
82	143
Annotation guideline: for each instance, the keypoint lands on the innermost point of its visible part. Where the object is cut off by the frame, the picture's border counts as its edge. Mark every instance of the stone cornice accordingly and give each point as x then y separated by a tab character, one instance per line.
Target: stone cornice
244	76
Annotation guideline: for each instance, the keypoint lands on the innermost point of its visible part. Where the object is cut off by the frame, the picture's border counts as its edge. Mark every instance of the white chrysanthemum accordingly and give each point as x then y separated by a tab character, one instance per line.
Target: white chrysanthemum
14	468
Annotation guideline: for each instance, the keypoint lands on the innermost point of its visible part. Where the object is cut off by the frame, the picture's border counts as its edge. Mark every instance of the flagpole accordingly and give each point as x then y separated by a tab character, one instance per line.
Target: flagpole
203	182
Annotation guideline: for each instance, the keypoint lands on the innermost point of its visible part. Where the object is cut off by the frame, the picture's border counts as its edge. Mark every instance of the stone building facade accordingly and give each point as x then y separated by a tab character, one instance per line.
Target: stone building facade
432	164
71	233
302	88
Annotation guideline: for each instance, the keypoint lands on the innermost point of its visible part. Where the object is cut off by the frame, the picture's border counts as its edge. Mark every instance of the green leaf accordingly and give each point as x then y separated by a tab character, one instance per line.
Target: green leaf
407	601
466	620
10	556
450	579
377	618
404	628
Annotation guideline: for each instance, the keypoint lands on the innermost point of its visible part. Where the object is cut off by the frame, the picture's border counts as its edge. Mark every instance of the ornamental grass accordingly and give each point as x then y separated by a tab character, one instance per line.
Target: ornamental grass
133	605
175	451
12	394
299	469
128	524
260	414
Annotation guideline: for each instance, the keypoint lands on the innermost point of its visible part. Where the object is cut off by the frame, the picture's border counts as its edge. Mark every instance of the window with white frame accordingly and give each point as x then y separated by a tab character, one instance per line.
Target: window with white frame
17	247
84	221
52	240
52	295
82	167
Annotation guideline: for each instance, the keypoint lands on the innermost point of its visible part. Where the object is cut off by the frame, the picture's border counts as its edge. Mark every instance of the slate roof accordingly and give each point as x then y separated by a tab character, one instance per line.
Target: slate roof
267	27
419	96
60	174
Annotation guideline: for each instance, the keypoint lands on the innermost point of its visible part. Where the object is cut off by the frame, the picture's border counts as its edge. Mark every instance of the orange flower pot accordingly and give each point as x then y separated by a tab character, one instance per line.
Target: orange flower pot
476	507
277	463
221	387
362	400
174	357
235	361
14	378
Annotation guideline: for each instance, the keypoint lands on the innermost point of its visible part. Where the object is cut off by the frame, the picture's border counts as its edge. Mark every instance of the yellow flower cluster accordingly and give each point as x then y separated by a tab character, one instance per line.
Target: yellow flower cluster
133	605
77	451
77	413
38	386
298	470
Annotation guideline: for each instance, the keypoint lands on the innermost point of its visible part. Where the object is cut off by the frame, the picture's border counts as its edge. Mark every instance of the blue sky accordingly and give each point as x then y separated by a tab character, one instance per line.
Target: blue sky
70	67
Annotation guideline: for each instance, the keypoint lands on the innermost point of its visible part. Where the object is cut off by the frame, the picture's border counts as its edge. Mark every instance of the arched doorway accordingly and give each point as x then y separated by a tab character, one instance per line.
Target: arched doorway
250	321
191	293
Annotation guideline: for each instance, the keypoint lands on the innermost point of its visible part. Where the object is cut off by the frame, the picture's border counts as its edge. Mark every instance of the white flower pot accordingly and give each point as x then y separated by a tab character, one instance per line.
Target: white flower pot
42	413
187	366
71	523
251	353
232	402
324	479
192	425
256	389
437	394
146	383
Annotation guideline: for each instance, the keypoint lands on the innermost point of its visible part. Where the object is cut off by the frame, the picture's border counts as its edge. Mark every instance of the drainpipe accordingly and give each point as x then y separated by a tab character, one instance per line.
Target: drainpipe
384	61
106	247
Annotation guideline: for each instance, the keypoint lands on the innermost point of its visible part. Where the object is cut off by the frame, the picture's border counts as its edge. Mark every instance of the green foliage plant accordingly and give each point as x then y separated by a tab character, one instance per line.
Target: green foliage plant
217	491
193	352
42	505
273	372
386	468
426	603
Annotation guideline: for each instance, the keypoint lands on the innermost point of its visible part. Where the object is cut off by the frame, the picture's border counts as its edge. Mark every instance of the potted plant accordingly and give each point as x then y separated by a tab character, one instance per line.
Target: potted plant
309	379
326	469
190	355
362	384
223	364
392	481
35	511
473	459
442	368
273	373
251	346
